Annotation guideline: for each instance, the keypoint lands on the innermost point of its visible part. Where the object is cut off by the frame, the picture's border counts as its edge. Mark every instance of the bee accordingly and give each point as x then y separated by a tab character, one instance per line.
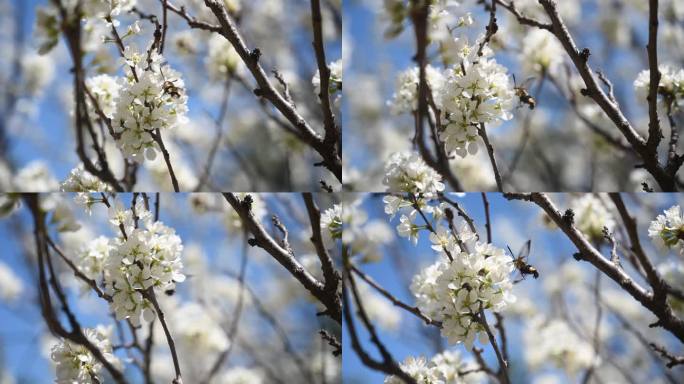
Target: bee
520	261
171	89
523	95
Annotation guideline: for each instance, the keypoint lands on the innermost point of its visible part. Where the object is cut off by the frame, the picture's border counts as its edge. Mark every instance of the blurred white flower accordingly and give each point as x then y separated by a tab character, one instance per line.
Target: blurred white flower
35	177
554	342
38	71
591	216
11	286
222	61
541	53
240	375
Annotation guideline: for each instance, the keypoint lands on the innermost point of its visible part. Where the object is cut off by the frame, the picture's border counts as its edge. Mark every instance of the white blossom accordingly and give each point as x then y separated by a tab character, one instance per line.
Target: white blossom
335	82
443	368
37	71
151	98
146	258
331	221
105	89
379	310
454	292
92	256
195	330
482	95
671	84
63	217
405	97
80	180
667	231
35	177
407	228
76	364
407	172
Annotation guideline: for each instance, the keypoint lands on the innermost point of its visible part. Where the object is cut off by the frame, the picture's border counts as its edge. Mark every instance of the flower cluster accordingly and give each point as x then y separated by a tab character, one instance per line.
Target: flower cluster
554	341
670	87
447	367
152	99
667	231
456	292
468	278
407	172
75	364
405	98
472	95
142	259
591	216
80	180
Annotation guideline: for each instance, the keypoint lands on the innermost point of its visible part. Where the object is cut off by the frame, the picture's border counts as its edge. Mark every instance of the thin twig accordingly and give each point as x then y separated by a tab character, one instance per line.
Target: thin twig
490	150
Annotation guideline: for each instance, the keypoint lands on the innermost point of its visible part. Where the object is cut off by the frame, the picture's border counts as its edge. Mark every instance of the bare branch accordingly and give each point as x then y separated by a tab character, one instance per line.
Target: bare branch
332	131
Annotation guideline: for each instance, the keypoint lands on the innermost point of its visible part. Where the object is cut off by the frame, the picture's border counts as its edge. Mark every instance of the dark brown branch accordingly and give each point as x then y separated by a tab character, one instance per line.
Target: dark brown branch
490	150
503	364
157	137
521	18
488	224
330	274
150	295
332	132
655	134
